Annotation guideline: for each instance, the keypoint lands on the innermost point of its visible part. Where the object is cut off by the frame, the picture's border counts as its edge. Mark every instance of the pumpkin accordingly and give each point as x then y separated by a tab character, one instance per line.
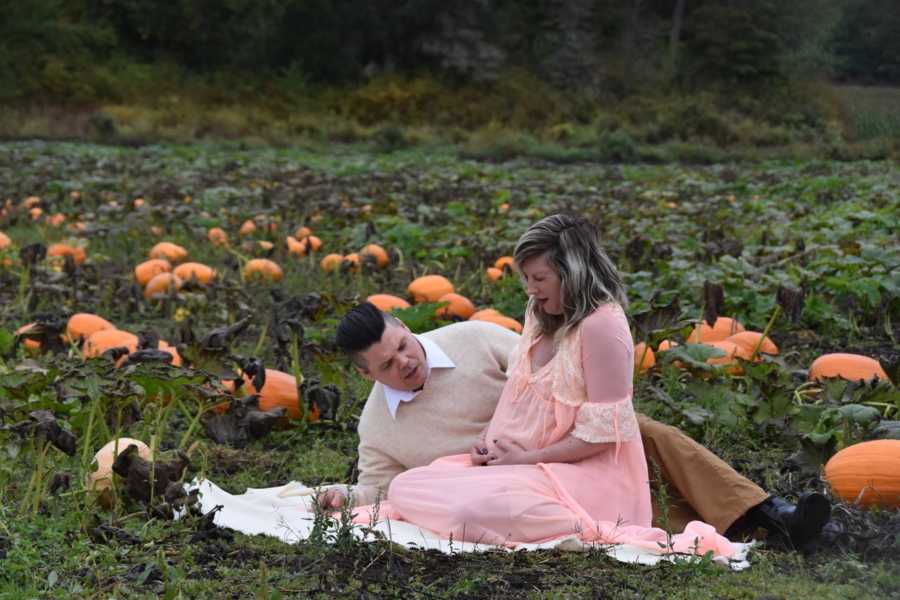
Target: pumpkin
504	262
666	345
138	203
429	288
484	312
100	479
302	232
723	328
376	254
77	253
867	474
5	242
313	243
846	366
81	325
746	341
149	269
731	351
161	285
387	302
295	246
493	273
265	245
331	262
31	201
247	228
263	268
190	270
56	220
169	251
217	236
100	341
497	319
459	306
166	347
644	358
351	262
280	390
31	346
35	213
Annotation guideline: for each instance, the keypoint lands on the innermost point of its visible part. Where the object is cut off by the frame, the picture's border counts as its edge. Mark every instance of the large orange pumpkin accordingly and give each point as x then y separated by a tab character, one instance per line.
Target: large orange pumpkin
76	252
867	474
429	288
149	269
247	228
295	246
81	325
746	341
5	242
459	306
302	232
161	285
644	358
387	302
724	328
169	251
494	316
504	262
331	262
280	390
100	479
846	366
31	346
217	236
263	268
493	273
377	254
313	244
203	273
100	341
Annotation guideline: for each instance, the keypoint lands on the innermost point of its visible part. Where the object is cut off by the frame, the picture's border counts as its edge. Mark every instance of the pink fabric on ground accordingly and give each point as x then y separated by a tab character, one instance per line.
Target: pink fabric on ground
585	391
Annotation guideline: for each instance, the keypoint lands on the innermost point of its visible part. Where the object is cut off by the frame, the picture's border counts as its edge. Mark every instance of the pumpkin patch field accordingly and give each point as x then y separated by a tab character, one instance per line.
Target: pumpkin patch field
168	312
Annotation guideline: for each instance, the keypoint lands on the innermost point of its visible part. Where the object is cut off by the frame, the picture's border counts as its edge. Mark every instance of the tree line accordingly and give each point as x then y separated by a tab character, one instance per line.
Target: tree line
616	46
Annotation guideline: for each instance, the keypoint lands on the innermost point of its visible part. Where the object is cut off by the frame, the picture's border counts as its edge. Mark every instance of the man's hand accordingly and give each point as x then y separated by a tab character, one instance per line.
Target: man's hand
332	499
508	452
479	454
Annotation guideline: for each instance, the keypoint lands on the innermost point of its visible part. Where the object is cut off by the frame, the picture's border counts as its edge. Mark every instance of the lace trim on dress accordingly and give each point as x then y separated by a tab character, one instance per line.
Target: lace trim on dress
606	422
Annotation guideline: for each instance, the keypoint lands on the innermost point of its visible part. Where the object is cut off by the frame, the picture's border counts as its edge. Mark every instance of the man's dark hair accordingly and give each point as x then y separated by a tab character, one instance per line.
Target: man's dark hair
360	328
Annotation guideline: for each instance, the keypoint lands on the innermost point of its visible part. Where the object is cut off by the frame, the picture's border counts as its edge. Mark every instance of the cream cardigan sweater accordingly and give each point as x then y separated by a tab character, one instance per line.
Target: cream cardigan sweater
445	418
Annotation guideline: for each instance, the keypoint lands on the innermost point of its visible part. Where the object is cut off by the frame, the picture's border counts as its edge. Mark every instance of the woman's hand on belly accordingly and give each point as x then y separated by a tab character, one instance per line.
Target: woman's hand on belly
509	452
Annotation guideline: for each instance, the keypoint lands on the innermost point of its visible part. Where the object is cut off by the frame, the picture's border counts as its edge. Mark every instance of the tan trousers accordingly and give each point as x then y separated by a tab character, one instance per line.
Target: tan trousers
699	485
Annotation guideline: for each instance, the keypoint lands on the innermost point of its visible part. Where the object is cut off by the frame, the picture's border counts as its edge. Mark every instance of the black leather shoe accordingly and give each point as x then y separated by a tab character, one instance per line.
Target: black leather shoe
797	524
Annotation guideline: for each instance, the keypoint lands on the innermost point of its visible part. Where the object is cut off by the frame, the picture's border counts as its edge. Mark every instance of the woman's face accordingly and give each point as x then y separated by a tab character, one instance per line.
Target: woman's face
542	283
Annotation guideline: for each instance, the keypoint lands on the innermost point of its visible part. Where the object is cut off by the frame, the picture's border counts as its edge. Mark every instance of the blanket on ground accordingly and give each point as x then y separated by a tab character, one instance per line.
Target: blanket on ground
286	512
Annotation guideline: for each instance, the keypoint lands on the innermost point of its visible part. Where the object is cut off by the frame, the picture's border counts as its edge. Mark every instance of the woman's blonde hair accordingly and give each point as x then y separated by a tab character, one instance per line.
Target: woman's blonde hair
588	278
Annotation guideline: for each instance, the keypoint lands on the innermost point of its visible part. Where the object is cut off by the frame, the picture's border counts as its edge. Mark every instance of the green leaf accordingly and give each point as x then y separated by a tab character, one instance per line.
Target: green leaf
7	339
860	414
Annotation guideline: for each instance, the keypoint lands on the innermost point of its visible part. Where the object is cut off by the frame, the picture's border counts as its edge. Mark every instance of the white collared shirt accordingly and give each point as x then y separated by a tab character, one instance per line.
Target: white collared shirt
435	358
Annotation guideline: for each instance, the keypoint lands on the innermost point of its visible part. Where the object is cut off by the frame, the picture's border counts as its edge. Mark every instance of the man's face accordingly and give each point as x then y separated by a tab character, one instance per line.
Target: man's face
397	361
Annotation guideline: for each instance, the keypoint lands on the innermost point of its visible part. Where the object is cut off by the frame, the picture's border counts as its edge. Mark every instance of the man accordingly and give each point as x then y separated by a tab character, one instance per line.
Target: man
435	393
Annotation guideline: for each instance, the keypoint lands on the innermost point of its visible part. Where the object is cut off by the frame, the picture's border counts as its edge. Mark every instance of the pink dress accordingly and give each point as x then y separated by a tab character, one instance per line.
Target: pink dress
584	391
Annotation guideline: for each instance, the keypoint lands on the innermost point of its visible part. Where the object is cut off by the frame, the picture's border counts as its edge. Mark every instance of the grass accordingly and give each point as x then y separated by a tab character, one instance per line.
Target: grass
667	226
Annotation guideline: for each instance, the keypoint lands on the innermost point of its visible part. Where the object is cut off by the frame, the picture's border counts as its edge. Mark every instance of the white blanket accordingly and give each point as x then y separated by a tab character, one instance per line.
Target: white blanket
285	512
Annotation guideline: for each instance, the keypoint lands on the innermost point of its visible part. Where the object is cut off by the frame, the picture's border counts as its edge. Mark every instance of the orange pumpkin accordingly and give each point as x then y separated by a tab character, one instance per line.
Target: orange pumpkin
493	316
263	268
247	228
387	302
666	345
429	288
351	262
149	269
166	347
161	285
31	201
867	474
295	246
31	346
100	479
746	341
493	273
280	390
217	236
82	325
314	244
504	262
189	270
644	358
77	253
459	306
377	254
168	251
100	341
56	220
331	262
5	242
302	232
35	213
723	328
852	367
